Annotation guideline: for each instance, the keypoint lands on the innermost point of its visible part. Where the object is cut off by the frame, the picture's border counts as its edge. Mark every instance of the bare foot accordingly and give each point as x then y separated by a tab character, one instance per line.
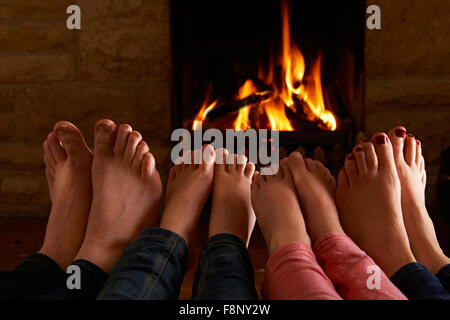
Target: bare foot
231	210
411	170
316	189
187	191
126	193
368	199
277	209
68	169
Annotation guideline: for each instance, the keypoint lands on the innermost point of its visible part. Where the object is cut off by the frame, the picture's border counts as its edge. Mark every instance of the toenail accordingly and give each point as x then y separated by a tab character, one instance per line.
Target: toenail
295	154
380	139
104	128
401	133
410	135
418	142
350	157
62	130
359	149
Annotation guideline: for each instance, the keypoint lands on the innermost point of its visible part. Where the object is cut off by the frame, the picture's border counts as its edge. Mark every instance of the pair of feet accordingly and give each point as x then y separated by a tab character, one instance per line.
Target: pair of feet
100	200
380	196
190	185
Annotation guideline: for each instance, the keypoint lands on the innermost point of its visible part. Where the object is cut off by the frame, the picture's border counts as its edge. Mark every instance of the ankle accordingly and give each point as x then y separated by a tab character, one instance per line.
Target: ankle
280	241
55	255
390	264
104	257
435	260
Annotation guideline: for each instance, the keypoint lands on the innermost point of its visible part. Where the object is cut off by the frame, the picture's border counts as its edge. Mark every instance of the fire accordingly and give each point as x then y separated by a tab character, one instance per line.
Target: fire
204	110
300	91
242	121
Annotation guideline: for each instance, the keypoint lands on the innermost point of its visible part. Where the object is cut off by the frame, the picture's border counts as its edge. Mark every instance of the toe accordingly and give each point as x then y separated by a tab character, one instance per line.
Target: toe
48	156
104	138
397	137
134	138
141	150
296	161
283	171
360	157
383	148
148	166
231	163
370	154
260	180
296	165
72	140
221	156
56	148
241	163
410	149
418	152
255	174
208	158
351	169
121	141
342	182
323	170
310	164
249	170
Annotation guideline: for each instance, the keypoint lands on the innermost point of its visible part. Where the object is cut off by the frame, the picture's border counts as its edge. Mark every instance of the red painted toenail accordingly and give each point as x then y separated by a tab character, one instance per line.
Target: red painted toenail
380	139
359	149
418	142
410	135
350	157
401	133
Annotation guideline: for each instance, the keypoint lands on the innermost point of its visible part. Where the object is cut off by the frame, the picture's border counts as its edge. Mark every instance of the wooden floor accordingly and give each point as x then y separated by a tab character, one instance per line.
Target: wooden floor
20	237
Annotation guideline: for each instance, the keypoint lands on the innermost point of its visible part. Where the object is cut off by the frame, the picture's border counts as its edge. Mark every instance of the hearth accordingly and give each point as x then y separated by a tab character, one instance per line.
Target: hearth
295	66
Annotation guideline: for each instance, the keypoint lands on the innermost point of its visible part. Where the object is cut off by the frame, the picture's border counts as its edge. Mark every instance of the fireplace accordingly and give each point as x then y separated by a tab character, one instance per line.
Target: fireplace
295	66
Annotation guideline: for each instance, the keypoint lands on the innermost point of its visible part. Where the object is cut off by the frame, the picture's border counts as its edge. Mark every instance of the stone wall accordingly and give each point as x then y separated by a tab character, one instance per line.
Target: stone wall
118	66
408	77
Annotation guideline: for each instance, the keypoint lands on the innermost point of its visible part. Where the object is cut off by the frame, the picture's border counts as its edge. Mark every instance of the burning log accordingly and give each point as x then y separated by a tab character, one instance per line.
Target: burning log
226	109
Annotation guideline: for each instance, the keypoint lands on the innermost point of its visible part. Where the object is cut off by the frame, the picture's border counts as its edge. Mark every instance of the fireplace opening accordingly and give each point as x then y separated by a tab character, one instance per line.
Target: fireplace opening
295	66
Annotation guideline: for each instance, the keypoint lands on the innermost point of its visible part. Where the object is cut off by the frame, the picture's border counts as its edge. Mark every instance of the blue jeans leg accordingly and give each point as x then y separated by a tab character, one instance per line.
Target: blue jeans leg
224	271
418	283
152	268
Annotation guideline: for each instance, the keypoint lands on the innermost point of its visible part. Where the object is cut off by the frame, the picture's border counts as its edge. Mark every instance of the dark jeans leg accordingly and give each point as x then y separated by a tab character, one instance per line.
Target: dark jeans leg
224	271
152	268
444	277
26	278
418	283
91	280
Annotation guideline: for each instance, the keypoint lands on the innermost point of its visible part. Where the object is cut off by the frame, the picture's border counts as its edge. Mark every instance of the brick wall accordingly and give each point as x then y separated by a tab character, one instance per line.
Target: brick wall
408	77
118	66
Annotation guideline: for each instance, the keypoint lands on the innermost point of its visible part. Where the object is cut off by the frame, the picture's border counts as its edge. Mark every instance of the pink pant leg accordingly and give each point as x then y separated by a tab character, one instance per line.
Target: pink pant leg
292	273
354	274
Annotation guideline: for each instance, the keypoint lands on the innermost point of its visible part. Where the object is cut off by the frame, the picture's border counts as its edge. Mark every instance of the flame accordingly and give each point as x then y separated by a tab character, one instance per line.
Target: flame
313	96
277	115
204	110
293	64
242	120
297	85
